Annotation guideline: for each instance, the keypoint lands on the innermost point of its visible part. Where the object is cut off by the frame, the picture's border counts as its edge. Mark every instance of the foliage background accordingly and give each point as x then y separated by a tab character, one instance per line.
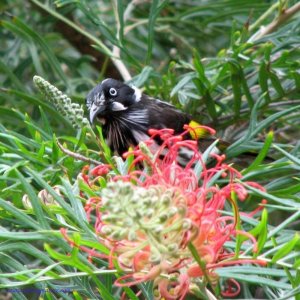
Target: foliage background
210	58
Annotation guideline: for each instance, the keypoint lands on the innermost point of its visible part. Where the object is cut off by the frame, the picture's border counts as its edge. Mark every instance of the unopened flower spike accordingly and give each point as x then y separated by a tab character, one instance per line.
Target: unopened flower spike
73	111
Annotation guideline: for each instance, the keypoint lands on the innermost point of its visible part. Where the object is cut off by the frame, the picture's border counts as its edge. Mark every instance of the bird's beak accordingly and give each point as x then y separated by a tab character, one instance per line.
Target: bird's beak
97	107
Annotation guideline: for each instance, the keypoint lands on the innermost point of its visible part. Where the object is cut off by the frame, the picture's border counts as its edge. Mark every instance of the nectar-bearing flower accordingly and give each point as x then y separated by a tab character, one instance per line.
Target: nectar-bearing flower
64	105
164	222
150	219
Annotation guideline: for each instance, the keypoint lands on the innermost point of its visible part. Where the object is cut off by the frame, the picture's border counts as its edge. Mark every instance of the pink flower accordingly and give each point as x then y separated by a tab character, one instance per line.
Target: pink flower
149	216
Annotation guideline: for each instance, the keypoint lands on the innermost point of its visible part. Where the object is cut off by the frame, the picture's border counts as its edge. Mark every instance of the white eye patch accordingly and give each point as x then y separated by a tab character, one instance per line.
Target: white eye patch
117	106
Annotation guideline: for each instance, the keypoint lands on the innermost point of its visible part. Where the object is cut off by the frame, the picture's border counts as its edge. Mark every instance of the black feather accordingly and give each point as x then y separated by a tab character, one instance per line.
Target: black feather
136	115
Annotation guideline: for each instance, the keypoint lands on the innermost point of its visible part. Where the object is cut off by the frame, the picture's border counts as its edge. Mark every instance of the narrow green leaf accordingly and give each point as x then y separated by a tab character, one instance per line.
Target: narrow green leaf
35	201
262	125
208	100
296	77
53	61
60	200
262	154
247	92
38	102
236	81
76	263
20	215
46	125
142	78
293	158
155	10
263	81
55	154
286	249
10	74
276	83
263	232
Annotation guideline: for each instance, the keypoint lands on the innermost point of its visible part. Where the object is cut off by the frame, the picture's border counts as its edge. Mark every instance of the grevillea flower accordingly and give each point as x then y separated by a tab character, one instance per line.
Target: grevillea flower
64	105
155	215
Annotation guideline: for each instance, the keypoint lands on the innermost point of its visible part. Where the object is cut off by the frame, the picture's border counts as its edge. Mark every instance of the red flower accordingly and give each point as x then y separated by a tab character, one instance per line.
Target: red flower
148	216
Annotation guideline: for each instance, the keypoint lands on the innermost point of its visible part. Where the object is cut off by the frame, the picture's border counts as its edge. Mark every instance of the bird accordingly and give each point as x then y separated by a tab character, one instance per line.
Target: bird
126	115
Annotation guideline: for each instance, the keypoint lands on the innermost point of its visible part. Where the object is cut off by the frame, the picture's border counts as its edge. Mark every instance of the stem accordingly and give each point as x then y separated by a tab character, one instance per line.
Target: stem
264	16
76	155
116	50
284	16
115	57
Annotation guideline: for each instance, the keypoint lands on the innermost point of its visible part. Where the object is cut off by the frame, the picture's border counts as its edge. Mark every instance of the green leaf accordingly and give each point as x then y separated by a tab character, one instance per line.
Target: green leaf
263	76
262	153
236	81
286	249
19	215
35	201
28	32
262	228
10	74
208	100
276	83
156	7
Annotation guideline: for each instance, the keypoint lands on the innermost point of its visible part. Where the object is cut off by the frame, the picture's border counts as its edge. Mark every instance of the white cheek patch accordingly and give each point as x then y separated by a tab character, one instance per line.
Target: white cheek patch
117	106
137	94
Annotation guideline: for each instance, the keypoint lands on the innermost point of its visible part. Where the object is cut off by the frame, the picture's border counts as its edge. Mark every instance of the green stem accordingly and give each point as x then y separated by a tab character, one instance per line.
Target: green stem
264	16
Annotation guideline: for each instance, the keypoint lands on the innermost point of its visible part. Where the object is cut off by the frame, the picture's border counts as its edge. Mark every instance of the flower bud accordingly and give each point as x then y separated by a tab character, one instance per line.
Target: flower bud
107	230
172	211
158	229
163	217
155	258
132	235
26	202
172	247
186	224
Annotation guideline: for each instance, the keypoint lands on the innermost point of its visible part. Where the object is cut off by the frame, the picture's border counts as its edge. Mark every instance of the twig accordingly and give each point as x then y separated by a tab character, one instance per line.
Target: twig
76	155
264	16
116	50
278	21
115	57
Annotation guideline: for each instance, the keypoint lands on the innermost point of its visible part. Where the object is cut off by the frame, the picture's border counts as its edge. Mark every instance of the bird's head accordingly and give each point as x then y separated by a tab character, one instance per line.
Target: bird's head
109	98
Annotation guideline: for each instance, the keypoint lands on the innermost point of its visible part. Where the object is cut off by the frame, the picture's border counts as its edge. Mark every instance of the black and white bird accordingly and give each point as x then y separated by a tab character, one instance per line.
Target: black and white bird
126	114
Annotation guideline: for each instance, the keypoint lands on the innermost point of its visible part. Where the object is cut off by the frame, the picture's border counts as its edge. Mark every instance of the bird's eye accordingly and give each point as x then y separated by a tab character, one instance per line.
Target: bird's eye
113	92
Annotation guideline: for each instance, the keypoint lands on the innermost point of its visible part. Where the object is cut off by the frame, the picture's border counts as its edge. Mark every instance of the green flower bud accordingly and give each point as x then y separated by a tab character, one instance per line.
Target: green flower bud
158	229
149	212
172	248
163	217
64	105
186	224
172	211
132	235
155	258
107	230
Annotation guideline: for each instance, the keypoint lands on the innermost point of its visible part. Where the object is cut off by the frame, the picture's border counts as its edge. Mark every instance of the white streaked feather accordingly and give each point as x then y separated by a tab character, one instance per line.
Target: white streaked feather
138	117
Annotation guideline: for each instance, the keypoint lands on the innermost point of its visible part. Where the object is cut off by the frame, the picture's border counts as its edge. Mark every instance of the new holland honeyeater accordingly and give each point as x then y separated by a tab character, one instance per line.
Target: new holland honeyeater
126	114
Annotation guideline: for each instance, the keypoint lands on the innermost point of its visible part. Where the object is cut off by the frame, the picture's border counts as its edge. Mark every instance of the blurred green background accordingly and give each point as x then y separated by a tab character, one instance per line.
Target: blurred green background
233	64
